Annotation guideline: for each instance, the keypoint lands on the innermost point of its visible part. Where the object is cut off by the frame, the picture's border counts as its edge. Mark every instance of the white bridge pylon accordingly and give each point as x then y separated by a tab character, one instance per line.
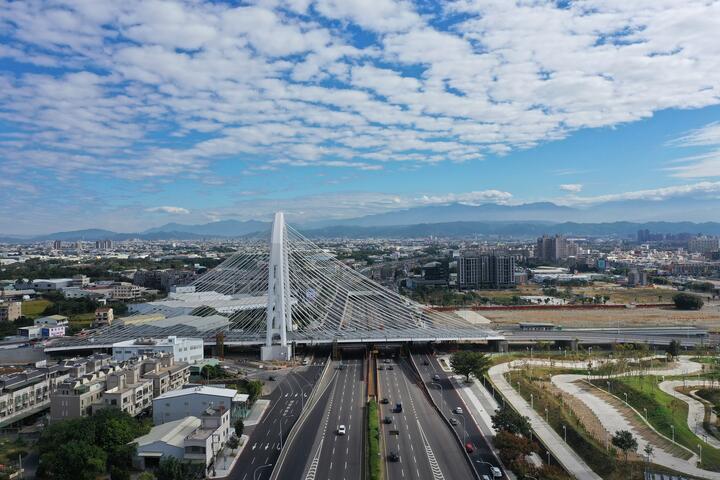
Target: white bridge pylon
289	291
279	307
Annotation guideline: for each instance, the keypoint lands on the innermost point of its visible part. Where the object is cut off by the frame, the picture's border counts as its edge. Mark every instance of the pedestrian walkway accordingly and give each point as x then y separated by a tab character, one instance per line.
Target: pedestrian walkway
696	409
567	457
256	412
225	460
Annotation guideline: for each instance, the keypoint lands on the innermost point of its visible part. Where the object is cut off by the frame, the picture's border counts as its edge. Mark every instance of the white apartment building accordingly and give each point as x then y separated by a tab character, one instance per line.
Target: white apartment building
183	349
28	392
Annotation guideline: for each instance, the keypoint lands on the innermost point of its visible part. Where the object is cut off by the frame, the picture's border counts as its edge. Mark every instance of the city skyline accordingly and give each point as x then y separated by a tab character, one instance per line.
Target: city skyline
124	117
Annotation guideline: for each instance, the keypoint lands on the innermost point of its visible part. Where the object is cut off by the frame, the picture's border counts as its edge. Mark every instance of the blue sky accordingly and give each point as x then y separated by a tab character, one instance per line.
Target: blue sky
127	115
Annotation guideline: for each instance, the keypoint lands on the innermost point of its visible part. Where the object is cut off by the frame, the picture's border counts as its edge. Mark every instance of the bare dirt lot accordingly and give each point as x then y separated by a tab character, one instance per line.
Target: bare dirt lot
707	317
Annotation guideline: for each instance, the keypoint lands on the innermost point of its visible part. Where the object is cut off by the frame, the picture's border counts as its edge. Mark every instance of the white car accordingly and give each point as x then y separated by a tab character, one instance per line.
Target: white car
341	430
496	472
458	410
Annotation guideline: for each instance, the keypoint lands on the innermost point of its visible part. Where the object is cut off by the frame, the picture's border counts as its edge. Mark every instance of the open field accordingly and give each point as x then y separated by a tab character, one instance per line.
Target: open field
34	308
616	293
631	317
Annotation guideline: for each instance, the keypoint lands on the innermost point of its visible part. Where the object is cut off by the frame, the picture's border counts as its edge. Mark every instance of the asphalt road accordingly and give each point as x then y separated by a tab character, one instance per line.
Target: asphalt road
425	444
447	398
318	452
286	401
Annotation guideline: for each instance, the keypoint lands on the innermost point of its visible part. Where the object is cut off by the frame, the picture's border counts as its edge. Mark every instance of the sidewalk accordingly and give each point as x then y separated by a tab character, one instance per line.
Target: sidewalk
225	460
570	460
256	412
696	409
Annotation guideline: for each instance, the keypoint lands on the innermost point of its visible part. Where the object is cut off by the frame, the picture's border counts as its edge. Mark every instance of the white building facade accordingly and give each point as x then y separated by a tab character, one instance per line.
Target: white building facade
183	349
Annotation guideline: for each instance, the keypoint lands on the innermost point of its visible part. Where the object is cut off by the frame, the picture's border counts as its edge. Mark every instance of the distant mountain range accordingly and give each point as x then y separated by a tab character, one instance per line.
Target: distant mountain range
454	220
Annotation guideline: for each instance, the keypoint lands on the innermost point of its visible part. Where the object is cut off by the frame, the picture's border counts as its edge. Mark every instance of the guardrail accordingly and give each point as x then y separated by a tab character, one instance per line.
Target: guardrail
301	419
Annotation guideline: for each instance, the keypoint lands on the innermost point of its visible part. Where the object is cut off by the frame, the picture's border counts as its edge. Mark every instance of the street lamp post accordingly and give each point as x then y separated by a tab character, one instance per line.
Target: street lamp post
565	433
532	401
546	416
442	397
608	385
259	468
645	410
464	428
626	400
672	427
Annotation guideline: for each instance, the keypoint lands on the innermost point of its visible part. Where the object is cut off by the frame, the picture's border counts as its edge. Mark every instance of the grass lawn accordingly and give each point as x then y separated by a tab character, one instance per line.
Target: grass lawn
82	320
34	308
664	412
591	449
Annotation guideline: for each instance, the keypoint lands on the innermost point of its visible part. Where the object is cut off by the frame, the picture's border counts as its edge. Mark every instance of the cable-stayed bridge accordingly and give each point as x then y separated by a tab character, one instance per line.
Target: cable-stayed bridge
285	291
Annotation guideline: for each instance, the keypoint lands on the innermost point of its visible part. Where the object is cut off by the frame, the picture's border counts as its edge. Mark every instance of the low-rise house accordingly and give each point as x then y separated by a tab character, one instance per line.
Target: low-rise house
104	317
192	401
10	311
194	439
28	392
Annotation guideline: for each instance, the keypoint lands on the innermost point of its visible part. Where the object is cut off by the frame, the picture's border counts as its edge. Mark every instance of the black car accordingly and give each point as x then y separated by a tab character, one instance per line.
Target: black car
387	420
271	378
390	367
384	401
425	362
394	457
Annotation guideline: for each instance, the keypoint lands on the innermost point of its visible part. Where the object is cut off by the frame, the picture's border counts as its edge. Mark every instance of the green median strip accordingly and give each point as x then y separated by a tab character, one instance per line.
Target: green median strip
373	438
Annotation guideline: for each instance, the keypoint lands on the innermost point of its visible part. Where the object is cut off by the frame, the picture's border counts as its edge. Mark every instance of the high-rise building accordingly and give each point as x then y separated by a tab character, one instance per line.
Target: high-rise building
103	244
553	249
485	270
703	244
57	245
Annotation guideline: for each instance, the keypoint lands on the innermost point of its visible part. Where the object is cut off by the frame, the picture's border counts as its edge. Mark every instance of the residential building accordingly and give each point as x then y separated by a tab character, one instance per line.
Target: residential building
51	320
191	439
194	401
166	374
126	291
189	350
10	311
48	285
129	386
554	249
80	281
104	317
485	270
57	245
637	278
30	332
25	393
128	391
703	244
103	244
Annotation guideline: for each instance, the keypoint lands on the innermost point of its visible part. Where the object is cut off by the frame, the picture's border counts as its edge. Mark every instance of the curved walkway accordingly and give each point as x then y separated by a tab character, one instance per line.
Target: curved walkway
610	417
567	457
696	409
613	419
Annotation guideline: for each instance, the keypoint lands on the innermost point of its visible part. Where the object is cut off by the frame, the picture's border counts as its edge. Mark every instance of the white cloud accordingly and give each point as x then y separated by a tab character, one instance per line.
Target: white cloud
703	165
151	91
468	198
170	210
571	187
655	194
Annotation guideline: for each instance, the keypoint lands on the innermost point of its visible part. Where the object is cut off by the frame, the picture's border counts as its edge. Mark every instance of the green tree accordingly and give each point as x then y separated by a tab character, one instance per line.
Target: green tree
508	420
170	468
625	441
673	348
254	389
466	362
233	442
687	301
239	427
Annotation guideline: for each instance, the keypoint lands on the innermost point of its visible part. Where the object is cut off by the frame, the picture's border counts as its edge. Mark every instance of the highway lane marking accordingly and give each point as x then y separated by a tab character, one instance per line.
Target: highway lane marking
434	465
